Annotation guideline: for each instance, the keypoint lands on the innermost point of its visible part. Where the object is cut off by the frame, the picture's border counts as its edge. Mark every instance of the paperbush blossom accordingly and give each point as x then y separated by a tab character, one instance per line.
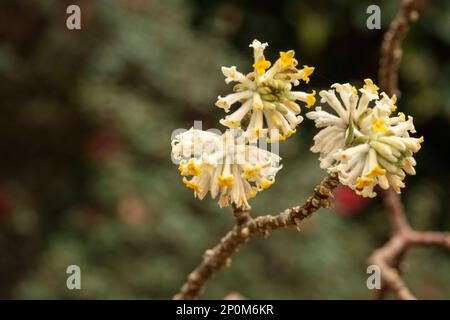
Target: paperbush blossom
267	102
224	165
363	141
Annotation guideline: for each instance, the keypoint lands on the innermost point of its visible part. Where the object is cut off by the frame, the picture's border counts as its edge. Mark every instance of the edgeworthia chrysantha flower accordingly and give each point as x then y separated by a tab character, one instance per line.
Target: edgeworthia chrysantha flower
224	165
363	141
265	96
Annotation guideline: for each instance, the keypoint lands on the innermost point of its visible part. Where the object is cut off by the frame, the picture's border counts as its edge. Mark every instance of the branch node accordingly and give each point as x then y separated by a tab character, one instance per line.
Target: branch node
245	232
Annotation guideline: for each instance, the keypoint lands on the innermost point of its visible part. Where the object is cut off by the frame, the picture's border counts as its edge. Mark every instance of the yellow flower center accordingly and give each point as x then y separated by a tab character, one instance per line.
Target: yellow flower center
311	99
376	172
307	71
192	185
288	134
261	65
370	86
225	181
193	169
379	125
287	58
363	182
252	193
181	168
251	172
267	183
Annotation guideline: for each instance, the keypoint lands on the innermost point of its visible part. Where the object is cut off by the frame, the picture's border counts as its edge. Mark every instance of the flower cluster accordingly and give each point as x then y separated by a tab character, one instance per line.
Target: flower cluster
230	165
265	95
364	142
224	165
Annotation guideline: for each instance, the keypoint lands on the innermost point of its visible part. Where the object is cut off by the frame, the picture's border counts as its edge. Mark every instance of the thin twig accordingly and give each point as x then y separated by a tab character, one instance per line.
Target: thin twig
391	51
389	257
219	256
393	203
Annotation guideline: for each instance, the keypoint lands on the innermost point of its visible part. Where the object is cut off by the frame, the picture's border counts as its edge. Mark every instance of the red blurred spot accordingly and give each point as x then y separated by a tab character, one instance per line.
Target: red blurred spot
347	202
102	145
5	202
89	217
132	210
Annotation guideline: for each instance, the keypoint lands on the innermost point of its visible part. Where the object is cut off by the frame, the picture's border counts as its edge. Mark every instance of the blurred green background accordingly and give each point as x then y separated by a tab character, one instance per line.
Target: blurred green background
85	126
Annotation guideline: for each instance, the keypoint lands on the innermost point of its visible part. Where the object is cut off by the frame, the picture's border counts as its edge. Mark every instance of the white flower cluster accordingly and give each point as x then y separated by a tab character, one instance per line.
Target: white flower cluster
363	142
265	95
230	165
225	165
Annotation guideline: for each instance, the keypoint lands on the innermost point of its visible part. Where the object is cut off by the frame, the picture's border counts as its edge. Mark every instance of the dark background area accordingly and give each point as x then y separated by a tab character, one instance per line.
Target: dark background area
85	170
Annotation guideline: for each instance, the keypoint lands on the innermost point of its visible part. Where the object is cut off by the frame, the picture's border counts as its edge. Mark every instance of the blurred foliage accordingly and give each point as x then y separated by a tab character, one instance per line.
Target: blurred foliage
85	170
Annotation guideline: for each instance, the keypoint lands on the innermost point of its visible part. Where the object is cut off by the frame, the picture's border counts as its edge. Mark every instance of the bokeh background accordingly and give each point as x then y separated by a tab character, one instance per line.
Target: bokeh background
85	126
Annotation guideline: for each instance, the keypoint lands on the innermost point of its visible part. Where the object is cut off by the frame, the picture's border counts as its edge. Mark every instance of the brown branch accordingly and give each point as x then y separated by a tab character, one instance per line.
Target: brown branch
240	215
220	256
397	215
389	257
398	245
393	203
430	238
386	258
391	51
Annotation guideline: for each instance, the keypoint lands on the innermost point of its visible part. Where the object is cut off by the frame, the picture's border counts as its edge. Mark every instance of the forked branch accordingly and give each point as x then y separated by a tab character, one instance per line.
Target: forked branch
389	257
